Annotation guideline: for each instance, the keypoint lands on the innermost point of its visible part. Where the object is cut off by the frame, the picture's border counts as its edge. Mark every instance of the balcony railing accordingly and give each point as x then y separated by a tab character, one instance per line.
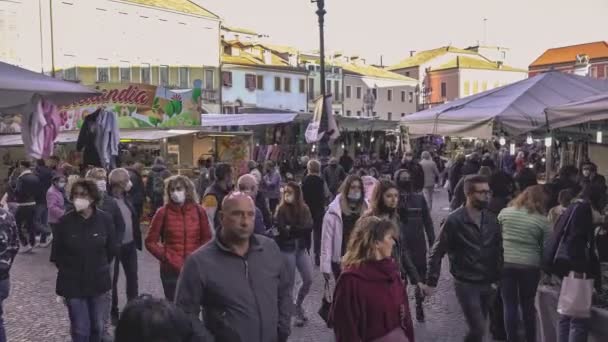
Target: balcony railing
210	96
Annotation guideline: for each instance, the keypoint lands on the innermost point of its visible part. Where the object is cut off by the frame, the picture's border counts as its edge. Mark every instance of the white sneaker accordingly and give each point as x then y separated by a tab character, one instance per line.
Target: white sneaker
48	242
26	248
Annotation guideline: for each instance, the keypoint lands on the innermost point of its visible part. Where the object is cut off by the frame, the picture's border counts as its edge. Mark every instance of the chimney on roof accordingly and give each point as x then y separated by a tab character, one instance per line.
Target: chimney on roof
457	62
293	59
267	56
412	53
499	64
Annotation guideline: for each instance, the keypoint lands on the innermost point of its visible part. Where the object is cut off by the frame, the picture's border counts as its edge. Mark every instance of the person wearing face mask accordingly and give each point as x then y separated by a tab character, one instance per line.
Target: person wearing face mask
177	229
55	200
120	185
385	205
416	172
476	260
85	243
271	185
108	204
415	229
338	223
215	193
590	176
334	175
294	223
248	184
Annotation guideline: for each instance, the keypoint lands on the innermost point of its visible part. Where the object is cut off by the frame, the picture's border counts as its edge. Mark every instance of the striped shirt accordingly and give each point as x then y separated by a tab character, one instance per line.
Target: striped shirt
523	235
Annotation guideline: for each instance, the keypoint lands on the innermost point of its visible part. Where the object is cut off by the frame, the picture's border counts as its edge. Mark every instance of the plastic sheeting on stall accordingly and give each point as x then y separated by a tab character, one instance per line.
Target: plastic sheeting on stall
594	108
18	86
517	108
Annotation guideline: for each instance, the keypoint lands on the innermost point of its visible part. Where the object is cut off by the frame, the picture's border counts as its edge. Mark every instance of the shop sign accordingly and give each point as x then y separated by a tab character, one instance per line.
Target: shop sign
135	105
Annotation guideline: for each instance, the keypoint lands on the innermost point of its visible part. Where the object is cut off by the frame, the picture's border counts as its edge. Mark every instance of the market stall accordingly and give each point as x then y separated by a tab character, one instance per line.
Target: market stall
512	110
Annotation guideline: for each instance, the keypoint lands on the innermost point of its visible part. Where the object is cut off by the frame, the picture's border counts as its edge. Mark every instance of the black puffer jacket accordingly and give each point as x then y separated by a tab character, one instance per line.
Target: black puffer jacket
83	250
476	253
416	228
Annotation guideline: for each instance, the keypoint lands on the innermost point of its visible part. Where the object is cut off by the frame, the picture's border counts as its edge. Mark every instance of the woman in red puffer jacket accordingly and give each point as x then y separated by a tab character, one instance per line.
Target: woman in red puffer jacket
177	229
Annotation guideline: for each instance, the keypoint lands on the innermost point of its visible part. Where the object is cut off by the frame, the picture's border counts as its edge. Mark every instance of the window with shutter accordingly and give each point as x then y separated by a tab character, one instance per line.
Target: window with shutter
250	82
226	78
260	82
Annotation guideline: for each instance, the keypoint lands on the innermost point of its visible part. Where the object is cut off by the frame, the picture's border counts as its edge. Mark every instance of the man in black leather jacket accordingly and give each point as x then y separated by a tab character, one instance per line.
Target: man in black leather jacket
472	238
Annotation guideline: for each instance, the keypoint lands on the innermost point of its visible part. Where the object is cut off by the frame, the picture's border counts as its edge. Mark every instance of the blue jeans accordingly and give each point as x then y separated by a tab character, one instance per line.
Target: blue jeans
300	260
5	286
86	317
572	329
518	289
475	301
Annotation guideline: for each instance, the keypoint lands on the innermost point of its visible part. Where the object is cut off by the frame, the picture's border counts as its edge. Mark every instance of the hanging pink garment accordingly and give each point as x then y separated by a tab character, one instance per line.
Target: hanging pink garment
51	129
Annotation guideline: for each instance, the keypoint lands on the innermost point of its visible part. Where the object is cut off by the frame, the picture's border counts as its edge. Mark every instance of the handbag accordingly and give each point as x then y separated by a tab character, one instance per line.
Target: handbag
326	304
575	296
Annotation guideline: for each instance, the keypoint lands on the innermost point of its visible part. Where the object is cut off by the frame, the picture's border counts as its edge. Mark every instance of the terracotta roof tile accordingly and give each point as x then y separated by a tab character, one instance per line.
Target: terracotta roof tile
568	54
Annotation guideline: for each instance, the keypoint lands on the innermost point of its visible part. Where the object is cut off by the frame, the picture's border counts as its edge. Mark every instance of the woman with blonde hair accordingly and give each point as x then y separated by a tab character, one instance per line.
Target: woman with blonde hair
177	229
370	302
525	229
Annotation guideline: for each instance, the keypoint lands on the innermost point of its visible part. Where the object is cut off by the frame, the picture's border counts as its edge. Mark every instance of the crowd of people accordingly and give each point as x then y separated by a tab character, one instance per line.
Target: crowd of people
229	245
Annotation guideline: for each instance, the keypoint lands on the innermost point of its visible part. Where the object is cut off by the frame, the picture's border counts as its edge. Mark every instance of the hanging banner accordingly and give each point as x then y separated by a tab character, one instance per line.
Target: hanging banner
135	105
312	131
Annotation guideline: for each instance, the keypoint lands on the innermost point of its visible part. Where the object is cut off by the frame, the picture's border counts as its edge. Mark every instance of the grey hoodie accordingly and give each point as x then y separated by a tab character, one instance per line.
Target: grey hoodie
244	299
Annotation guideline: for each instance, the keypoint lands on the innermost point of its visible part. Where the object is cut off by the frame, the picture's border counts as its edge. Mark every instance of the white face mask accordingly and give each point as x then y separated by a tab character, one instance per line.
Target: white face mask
81	204
129	186
354	195
586	173
101	185
178	197
61	185
289	199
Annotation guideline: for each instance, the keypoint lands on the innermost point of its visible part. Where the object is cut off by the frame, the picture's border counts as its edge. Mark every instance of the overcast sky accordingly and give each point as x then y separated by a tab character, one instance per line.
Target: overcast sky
394	27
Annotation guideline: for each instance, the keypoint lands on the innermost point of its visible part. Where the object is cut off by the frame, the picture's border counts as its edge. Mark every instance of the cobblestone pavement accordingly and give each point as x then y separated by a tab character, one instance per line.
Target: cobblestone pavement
32	313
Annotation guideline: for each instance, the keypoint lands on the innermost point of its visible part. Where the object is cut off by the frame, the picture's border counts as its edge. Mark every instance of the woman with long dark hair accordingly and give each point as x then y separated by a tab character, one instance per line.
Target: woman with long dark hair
384	204
338	223
370	302
294	222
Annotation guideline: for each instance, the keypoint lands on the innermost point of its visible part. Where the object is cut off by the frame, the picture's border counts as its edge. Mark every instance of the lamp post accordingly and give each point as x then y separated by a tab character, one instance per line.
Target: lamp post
324	149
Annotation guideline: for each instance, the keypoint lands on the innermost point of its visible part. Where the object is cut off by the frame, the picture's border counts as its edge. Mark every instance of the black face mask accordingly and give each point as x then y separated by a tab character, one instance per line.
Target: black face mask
405	185
480	204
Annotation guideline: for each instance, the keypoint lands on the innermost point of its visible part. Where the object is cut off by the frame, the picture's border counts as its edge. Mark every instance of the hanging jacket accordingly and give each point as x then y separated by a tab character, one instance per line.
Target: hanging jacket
51	128
107	138
86	140
32	129
369	302
175	232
